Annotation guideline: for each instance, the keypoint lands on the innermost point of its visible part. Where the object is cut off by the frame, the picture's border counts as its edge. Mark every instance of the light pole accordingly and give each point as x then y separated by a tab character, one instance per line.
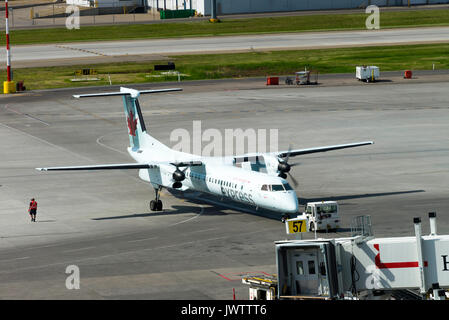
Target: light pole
8	86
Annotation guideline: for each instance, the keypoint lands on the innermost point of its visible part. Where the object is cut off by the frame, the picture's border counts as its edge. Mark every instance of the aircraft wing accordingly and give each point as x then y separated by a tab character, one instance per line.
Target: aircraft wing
298	152
121	166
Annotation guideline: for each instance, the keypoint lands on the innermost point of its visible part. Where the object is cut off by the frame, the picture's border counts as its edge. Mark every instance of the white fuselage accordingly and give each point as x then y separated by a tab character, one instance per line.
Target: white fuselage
219	178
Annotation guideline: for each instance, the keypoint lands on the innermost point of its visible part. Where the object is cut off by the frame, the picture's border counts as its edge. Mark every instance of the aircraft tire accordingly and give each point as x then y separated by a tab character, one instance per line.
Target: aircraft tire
159	205
153	205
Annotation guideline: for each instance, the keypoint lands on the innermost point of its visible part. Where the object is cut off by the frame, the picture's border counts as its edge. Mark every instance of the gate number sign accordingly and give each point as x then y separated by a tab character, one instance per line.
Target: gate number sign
296	226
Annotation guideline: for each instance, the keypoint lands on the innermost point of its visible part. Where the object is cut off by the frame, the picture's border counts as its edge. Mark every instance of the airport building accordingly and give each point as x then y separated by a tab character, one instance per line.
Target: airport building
203	7
259	6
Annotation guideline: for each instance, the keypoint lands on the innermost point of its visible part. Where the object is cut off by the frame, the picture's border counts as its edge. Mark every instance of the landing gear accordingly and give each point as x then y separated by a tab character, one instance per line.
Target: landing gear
285	217
156	205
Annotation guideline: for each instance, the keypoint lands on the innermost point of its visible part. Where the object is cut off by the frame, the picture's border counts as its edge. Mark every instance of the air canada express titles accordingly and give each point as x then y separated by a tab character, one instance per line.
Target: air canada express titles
237	195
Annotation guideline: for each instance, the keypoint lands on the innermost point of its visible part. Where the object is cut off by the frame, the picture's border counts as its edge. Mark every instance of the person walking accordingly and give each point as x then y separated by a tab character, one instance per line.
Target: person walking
33	210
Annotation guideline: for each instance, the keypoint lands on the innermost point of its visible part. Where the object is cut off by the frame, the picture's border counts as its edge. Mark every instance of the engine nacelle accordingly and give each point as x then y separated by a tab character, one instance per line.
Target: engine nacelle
177	185
178	175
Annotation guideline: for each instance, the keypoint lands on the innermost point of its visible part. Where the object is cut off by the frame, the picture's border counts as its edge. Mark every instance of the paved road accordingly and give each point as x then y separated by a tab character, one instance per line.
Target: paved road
192	250
38	54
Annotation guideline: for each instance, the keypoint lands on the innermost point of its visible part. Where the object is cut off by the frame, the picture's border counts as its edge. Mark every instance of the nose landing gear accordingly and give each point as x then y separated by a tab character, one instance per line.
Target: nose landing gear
156	205
285	217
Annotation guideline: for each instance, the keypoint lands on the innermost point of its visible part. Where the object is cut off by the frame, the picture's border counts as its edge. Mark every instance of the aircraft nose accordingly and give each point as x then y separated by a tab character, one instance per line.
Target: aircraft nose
291	203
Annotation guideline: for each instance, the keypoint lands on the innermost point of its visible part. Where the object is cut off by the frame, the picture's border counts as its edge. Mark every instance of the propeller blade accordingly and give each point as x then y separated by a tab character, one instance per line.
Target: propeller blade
294	164
288	152
295	183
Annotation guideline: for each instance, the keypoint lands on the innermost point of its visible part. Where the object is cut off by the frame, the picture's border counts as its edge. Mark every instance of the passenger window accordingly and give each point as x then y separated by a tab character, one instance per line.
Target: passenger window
299	268
312	267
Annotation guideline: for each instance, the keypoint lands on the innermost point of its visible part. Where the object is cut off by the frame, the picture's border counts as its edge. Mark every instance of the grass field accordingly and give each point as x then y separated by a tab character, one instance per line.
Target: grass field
388	19
251	64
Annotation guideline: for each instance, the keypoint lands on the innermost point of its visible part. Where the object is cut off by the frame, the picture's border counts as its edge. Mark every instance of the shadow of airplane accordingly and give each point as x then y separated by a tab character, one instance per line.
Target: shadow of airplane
173	211
217	207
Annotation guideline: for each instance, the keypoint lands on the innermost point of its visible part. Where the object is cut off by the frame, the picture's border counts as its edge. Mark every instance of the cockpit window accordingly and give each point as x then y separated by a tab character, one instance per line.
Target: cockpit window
287	187
264	188
277	187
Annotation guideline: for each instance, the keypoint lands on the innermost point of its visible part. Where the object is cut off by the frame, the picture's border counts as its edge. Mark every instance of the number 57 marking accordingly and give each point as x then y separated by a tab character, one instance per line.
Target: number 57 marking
298	226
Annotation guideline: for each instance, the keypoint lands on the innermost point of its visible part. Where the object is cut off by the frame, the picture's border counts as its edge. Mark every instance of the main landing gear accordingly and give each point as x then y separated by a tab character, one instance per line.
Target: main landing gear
156	205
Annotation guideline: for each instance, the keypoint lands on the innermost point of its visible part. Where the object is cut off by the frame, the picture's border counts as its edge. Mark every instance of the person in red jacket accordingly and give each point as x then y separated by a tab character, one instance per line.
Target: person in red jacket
33	210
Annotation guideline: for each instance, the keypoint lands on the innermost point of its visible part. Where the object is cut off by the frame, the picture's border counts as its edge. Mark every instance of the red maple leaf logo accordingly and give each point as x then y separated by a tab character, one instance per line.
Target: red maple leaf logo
132	124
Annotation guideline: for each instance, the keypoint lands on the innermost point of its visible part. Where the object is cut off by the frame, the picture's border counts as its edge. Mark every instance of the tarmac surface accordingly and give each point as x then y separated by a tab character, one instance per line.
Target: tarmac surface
100	221
130	50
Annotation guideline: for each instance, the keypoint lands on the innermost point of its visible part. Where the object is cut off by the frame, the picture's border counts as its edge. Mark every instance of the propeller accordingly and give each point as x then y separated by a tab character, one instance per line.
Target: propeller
284	167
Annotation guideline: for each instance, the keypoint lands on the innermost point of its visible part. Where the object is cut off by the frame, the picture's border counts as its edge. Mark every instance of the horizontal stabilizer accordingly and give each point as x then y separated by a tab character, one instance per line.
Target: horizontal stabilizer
125	91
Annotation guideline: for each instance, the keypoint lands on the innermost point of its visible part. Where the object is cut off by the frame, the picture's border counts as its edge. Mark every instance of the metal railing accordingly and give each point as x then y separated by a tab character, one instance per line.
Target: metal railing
361	226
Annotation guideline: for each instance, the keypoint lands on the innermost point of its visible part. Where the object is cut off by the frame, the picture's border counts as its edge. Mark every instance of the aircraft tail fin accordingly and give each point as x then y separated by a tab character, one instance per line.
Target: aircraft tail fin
135	122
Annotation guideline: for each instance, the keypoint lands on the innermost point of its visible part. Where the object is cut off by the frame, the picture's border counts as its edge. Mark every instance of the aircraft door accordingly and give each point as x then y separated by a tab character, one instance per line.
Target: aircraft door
305	273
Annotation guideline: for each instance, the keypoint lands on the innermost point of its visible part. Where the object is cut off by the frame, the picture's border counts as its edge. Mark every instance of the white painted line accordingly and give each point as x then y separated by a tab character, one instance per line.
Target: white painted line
201	212
15	259
143	239
107	256
73	250
26	115
47	246
108	147
46	142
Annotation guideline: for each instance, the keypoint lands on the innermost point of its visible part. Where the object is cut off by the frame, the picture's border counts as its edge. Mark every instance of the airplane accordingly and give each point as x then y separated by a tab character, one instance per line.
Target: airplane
258	180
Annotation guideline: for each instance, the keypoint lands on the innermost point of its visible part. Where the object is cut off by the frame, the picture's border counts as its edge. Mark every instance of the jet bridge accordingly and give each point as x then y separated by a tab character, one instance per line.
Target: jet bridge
362	266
